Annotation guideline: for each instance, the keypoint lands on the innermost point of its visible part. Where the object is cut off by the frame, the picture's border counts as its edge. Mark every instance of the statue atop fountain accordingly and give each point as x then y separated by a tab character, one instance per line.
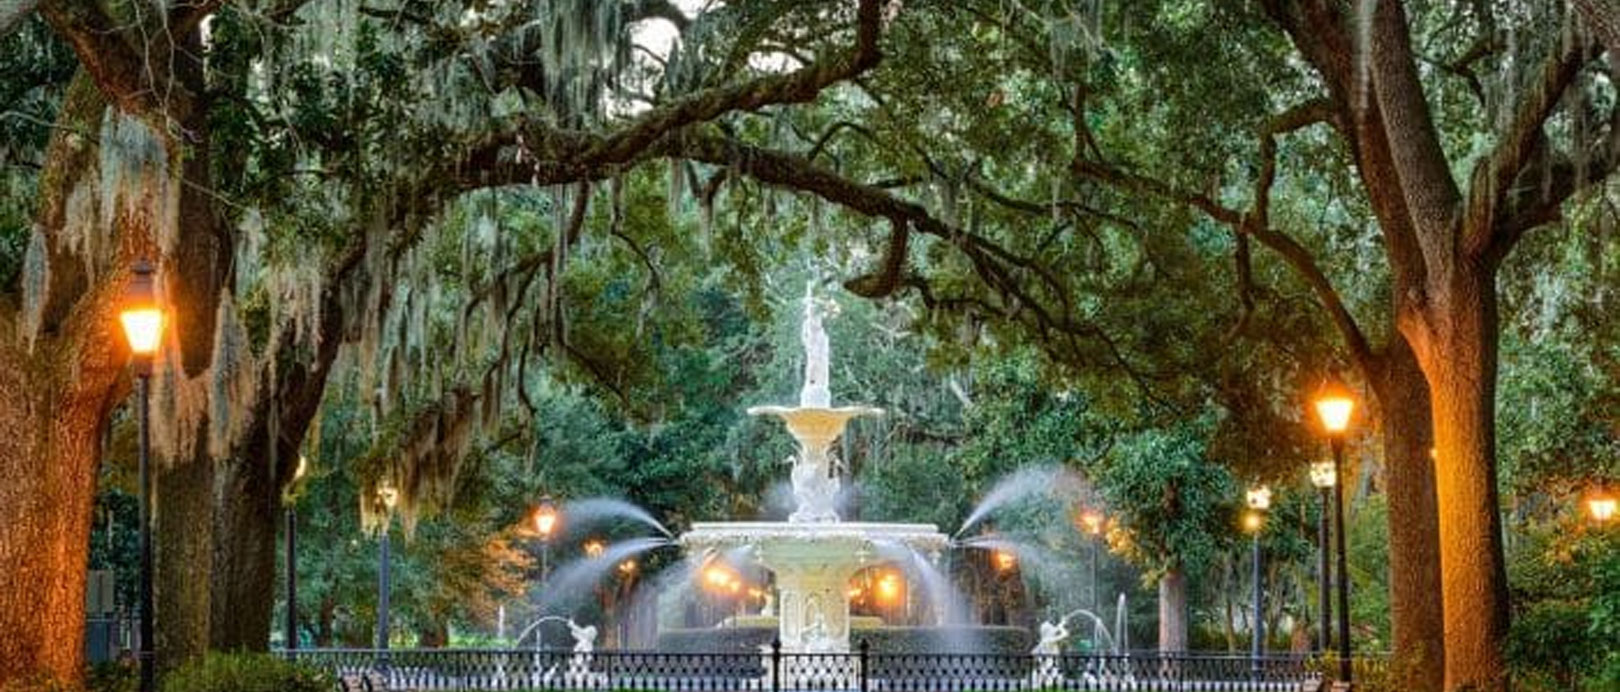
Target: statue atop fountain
816	392
815	423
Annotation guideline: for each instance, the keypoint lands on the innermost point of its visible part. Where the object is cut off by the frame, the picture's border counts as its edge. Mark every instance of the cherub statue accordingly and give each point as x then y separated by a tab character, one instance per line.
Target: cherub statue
1046	651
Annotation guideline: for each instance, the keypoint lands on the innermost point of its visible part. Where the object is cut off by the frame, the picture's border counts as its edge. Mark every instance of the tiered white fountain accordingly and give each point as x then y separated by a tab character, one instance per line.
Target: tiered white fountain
813	555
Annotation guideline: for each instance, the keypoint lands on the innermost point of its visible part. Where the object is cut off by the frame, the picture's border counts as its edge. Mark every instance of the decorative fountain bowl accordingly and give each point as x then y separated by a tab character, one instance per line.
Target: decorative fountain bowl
813	564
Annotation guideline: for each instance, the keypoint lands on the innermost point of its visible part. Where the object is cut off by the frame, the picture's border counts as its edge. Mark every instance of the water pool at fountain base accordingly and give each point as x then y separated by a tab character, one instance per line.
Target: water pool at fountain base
812	564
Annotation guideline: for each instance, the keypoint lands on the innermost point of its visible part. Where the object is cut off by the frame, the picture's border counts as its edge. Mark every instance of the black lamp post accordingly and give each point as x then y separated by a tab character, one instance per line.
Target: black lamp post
388	496
1324	477
291	516
1259	500
142	320
1334	405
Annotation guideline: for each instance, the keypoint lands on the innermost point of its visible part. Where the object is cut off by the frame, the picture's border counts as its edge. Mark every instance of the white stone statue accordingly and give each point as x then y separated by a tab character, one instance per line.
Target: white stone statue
579	665
816	638
817	354
1046	651
815	485
769	607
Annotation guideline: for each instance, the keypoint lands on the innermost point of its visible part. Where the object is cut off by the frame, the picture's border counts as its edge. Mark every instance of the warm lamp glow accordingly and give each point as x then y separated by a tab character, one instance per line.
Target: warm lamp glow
1259	499
1005	560
388	495
594	548
1334	404
628	567
888	587
721	578
1602	507
141	315
1253	520
1323	475
143	327
1091	521
545	518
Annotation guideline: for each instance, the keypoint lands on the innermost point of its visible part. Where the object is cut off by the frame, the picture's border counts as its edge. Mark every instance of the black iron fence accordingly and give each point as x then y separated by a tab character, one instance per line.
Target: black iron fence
775	671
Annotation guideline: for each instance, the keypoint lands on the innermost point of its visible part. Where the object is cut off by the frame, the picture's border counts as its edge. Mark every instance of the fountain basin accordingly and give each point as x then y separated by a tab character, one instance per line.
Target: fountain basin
813	564
815	426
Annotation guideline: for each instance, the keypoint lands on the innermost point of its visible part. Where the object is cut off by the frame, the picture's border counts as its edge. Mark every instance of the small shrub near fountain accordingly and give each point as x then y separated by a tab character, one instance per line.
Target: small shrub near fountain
246	673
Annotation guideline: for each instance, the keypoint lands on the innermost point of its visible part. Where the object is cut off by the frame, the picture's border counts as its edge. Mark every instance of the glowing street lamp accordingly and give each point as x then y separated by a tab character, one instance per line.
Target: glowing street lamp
1334	405
141	315
545	518
1091	521
594	548
1602	507
628	568
142	320
545	522
1259	498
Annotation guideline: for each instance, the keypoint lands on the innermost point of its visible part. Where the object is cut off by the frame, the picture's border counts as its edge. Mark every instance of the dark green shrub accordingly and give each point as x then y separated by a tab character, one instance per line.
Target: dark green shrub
925	640
112	677
715	640
243	672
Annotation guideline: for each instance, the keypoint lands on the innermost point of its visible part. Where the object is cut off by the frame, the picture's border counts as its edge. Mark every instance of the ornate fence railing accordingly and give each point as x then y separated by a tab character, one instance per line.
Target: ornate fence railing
775	671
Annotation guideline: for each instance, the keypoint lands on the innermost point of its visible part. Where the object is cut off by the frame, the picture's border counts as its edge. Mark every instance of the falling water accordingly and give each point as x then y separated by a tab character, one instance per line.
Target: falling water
950	606
1122	621
1047	481
596	509
576	578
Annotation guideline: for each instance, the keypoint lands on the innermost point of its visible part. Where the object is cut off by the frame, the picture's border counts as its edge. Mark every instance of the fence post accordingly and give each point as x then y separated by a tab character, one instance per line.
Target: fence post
865	649
776	664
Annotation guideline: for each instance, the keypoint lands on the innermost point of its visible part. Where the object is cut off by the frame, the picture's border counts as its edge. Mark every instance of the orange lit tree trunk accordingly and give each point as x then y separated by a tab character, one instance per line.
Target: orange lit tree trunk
61	374
1416	616
50	437
1460	360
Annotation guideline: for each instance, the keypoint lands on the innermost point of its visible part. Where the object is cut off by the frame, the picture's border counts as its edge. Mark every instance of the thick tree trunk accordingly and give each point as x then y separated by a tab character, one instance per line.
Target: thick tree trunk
55	397
184	548
1414	538
1173	610
49	443
243	579
1460	361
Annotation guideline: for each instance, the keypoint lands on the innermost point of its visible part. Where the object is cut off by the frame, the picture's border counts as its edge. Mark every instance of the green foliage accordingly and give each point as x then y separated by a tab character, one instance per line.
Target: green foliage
236	672
1566	582
1177	509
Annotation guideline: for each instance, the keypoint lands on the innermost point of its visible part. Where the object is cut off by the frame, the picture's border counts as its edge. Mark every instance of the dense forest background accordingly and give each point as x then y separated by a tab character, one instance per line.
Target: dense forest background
485	251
